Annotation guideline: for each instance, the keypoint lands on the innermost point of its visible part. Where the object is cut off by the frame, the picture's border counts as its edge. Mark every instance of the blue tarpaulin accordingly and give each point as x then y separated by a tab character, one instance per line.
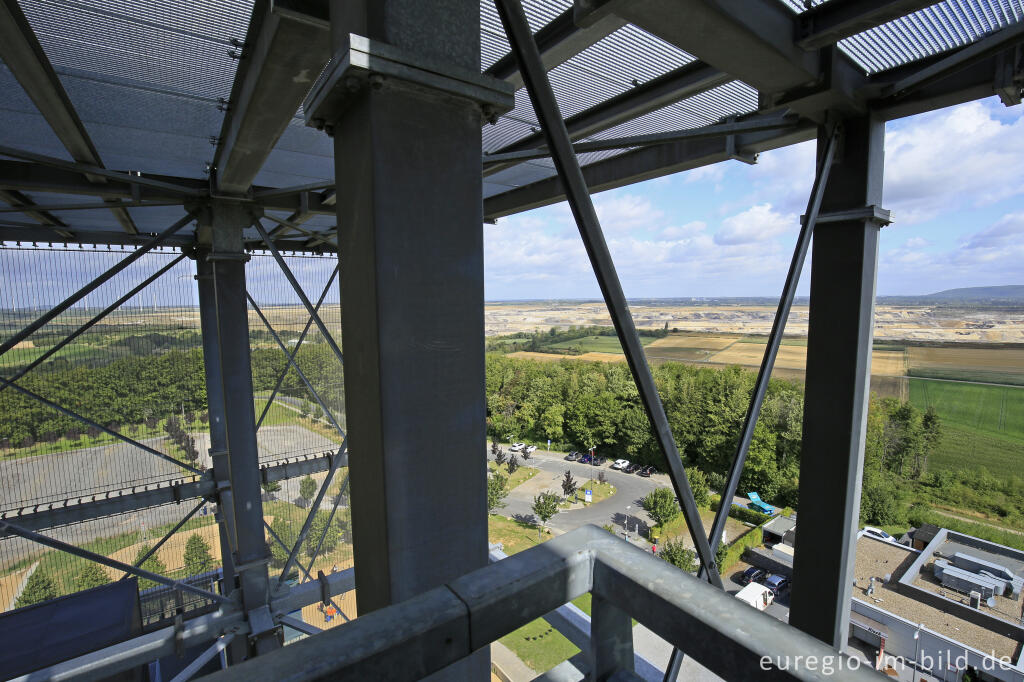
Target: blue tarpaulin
43	634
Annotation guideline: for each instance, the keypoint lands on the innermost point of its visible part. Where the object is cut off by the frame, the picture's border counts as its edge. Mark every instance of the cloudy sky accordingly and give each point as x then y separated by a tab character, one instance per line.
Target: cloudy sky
954	181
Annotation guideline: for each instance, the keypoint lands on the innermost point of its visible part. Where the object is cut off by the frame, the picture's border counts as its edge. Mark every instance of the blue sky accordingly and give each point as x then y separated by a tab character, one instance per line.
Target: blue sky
954	180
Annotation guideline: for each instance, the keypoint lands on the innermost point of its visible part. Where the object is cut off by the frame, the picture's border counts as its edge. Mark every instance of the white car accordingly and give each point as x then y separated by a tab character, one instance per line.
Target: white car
530	449
878	534
516	447
620	464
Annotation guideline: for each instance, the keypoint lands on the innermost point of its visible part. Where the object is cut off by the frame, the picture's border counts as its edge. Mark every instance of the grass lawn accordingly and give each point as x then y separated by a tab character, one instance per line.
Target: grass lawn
597	344
537	644
523	473
982	425
601	491
995	410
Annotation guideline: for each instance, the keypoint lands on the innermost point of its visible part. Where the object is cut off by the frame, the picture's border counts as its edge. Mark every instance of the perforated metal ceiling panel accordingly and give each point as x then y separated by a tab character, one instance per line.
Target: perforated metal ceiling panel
939	28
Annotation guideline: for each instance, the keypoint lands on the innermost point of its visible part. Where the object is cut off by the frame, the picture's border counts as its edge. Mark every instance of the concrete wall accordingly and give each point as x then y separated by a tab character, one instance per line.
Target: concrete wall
944	654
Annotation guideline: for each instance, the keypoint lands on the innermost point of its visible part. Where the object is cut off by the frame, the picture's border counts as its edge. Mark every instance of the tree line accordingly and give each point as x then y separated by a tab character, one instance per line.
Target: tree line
133	390
579	405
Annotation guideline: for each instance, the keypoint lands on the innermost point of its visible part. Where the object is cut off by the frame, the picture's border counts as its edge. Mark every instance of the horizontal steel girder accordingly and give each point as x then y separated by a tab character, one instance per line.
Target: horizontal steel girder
90	507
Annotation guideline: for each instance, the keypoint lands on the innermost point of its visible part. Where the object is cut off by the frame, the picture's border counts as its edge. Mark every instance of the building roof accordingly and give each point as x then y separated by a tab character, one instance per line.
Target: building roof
878	559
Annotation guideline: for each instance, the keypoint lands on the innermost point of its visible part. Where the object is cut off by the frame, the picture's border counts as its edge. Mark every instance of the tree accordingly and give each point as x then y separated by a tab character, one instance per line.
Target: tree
497	491
307	488
931	426
316	530
569	485
284	529
39	588
513	464
91	576
699	484
197	555
499	456
676	553
661	505
545	506
152	564
271	487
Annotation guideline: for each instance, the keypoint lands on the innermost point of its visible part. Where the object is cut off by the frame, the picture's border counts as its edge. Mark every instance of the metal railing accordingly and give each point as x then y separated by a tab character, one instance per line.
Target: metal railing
415	638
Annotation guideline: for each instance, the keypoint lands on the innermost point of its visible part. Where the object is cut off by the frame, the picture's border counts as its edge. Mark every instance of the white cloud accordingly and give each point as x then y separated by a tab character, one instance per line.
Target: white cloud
690	228
962	155
757	224
626	212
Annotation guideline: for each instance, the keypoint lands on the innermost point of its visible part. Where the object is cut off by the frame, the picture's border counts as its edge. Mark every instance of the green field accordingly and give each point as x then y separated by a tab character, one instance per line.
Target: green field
983	426
597	344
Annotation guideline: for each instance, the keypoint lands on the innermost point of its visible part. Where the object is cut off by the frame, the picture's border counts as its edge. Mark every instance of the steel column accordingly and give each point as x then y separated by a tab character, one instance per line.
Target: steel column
843	264
411	250
221	226
218	435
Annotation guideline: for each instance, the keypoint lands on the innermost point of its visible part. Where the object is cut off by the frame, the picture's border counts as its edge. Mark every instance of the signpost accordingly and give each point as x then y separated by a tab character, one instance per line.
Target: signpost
588	495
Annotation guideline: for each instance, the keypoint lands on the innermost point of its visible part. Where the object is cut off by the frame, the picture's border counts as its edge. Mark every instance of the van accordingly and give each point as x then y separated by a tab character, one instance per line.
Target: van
756	595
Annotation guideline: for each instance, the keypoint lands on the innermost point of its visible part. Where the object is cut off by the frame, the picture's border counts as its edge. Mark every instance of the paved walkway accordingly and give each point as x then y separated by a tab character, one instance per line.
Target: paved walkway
508	666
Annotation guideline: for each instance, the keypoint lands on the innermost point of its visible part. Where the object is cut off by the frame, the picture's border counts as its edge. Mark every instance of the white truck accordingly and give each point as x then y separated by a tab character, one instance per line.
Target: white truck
757	595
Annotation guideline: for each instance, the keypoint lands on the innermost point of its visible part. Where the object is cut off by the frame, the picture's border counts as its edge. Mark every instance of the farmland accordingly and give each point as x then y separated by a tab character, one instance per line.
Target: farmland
983	424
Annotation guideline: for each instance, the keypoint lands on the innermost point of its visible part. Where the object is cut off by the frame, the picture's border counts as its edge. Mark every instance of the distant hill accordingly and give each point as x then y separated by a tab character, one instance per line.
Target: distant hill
1013	292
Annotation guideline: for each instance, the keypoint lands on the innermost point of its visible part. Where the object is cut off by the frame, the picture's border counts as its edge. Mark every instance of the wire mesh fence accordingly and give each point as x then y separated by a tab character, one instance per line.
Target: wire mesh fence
135	370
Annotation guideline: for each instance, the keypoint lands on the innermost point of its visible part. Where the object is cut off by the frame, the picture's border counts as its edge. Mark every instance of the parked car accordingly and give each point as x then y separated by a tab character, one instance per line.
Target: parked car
647	471
753	575
598	460
633	468
778	584
620	464
878	534
530	449
572	456
517	447
585	458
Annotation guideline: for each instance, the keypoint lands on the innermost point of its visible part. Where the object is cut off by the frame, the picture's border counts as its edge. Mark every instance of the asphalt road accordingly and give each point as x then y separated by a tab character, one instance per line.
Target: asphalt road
621	509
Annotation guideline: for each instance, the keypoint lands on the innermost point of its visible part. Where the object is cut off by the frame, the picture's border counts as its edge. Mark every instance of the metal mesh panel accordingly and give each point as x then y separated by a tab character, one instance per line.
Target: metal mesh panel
939	28
295	424
131	372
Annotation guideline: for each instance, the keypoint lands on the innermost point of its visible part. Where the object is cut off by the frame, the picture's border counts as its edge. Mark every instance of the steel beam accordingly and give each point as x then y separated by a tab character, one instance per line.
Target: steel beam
711	30
644	164
22	204
830	22
557	42
516	27
724	129
844	262
685	81
100	505
24	56
167	536
285	49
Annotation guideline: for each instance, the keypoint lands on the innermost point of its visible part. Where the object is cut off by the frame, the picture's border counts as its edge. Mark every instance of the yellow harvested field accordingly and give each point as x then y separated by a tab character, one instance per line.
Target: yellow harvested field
789	357
554	357
888	363
701	342
883	362
25	344
173	551
1005	359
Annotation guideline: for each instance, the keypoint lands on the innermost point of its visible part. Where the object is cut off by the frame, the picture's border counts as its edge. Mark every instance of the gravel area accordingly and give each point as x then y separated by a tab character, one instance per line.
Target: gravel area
877	559
1007	609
